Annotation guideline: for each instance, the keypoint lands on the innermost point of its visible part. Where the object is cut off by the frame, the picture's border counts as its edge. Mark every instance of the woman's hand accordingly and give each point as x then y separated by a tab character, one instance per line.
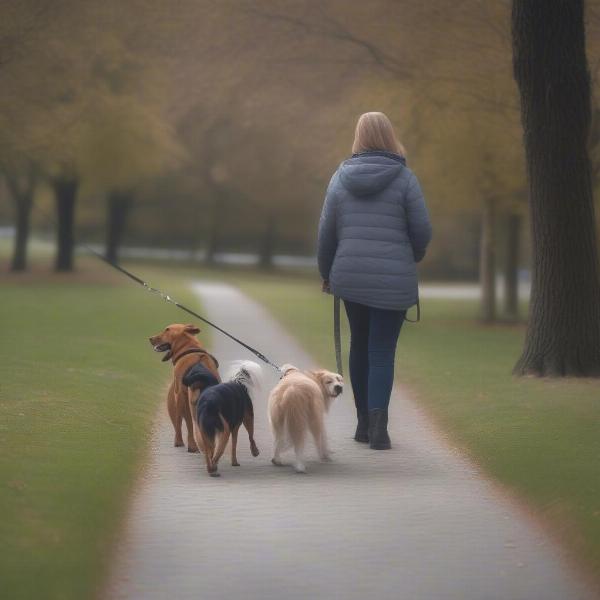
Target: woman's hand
325	287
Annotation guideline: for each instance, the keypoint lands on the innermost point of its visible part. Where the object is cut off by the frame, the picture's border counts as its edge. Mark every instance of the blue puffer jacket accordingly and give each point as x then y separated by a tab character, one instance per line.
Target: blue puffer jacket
374	228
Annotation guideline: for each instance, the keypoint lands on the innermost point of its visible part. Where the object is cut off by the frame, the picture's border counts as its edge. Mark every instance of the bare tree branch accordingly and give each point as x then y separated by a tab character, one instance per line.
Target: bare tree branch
333	29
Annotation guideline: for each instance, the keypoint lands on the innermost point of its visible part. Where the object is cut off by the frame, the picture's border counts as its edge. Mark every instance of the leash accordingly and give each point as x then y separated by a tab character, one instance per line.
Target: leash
418	312
337	338
171	300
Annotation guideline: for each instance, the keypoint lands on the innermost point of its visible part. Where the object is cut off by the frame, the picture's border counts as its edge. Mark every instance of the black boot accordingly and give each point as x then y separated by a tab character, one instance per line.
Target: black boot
378	435
362	429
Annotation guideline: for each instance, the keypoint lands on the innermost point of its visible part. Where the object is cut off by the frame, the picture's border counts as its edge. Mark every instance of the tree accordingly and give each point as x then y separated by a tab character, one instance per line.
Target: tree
21	184
119	204
550	67
91	116
65	186
124	142
22	26
423	57
511	265
47	88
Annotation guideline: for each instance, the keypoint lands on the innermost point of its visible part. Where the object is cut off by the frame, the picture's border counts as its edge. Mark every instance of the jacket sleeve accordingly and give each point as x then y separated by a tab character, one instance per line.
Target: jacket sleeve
327	244
419	225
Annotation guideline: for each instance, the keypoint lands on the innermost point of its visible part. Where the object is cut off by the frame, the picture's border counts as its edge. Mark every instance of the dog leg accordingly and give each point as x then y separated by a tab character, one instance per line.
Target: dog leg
193	396
209	449
178	430
192	444
234	434
187	415
223	439
278	449
318	433
299	465
297	438
198	438
175	416
249	425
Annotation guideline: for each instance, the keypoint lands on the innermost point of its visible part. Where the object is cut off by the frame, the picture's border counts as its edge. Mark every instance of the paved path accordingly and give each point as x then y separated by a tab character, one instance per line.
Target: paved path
413	523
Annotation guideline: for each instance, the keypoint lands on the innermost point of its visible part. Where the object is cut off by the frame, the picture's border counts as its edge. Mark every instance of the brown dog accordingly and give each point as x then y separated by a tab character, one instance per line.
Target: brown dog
184	350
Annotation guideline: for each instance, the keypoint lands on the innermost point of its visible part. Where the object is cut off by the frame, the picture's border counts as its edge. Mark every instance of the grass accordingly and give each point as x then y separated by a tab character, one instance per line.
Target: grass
79	389
540	438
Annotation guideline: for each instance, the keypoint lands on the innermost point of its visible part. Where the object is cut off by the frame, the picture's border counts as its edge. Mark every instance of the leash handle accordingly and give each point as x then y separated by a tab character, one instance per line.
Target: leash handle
337	337
418	312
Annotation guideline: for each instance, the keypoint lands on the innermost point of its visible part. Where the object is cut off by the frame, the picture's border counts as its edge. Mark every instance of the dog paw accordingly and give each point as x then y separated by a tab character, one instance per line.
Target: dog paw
299	468
255	451
277	462
178	443
235	464
326	458
215	474
192	449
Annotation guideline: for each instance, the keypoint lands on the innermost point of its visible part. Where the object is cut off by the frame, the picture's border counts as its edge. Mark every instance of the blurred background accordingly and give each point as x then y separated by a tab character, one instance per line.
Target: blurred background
209	131
195	140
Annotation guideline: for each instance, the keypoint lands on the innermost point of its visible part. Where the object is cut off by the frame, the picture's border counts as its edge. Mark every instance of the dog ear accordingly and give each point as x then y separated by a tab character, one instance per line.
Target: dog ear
191	328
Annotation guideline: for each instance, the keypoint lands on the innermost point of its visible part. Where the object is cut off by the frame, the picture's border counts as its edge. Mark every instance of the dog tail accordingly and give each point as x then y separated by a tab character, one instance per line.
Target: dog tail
199	377
246	373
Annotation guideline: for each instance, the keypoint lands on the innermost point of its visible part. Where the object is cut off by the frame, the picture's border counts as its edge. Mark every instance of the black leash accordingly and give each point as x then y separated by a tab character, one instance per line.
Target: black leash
418	312
168	298
337	338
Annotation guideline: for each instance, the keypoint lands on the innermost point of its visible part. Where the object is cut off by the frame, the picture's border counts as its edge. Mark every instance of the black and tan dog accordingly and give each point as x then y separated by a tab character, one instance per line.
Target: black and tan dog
180	345
219	409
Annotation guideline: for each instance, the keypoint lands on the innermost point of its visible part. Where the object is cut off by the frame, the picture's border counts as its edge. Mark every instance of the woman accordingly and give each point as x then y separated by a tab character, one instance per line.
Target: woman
374	228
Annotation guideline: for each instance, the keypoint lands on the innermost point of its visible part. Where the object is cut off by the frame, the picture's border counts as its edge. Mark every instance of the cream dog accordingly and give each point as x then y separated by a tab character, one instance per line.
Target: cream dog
298	404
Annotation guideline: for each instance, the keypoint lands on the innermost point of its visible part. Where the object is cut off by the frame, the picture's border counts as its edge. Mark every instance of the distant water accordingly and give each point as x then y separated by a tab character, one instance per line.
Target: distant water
449	291
224	258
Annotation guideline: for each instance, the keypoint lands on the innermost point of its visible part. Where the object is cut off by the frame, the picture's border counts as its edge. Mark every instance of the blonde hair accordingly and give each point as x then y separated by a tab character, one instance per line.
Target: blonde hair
374	131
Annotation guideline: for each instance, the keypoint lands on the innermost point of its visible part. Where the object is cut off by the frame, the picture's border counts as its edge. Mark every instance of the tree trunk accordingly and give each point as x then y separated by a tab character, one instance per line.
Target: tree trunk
267	247
511	267
487	261
550	67
118	208
24	203
594	144
65	192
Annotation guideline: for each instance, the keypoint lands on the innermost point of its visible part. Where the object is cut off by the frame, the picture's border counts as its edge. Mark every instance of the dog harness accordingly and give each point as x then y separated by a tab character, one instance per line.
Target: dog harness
194	351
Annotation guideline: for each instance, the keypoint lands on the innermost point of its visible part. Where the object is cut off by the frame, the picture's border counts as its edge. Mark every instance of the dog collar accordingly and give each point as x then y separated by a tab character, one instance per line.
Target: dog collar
194	351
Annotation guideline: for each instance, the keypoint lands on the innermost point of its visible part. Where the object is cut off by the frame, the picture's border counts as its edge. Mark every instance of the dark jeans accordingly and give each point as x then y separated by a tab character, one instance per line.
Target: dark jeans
373	338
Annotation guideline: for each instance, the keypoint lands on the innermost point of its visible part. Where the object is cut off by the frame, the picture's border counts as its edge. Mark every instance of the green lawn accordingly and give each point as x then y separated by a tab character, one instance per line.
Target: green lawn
79	386
539	438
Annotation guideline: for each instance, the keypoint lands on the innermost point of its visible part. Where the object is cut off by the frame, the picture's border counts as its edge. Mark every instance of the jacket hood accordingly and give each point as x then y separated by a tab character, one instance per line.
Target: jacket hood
369	173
